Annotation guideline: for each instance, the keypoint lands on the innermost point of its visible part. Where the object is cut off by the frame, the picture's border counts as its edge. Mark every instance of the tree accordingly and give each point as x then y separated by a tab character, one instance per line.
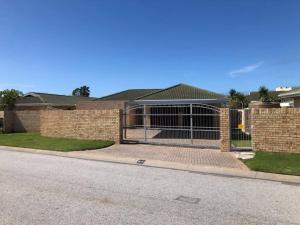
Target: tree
9	97
264	95
238	99
83	91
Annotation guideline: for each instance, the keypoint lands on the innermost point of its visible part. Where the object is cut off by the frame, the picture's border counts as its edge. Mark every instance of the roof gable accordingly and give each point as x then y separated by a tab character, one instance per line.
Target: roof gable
182	91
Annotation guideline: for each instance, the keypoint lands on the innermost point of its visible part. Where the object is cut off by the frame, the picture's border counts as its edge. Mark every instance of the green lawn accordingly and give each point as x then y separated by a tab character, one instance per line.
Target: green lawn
36	141
241	143
283	163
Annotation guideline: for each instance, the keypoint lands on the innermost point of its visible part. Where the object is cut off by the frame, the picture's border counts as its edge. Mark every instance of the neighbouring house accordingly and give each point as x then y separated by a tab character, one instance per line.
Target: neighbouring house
255	102
291	98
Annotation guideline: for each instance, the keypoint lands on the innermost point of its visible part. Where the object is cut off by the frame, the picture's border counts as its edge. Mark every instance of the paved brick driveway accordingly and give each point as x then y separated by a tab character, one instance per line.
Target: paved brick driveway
193	156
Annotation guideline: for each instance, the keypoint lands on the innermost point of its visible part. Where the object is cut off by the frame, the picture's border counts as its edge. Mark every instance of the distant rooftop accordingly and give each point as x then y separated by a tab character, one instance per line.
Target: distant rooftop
46	98
254	95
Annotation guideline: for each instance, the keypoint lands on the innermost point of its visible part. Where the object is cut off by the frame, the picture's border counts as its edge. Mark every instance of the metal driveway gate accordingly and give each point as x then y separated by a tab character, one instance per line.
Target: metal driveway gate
173	124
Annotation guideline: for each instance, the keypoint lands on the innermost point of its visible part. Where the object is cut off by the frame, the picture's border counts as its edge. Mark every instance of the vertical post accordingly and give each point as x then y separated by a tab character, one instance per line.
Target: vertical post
125	122
145	123
191	122
225	129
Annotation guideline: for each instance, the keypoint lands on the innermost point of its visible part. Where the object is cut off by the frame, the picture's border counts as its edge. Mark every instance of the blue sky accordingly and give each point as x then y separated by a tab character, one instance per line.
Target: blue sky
110	45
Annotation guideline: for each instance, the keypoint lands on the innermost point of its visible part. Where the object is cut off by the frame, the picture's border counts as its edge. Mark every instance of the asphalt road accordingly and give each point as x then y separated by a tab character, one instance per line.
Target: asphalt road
39	189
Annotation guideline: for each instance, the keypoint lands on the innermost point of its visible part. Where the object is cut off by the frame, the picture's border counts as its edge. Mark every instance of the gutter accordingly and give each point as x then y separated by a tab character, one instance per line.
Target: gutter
290	94
179	101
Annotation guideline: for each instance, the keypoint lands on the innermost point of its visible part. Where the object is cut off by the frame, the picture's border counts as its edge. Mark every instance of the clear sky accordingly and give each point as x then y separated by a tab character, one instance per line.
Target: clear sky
110	45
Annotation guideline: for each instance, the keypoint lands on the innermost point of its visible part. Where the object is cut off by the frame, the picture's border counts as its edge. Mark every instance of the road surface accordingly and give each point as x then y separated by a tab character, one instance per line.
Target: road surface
40	189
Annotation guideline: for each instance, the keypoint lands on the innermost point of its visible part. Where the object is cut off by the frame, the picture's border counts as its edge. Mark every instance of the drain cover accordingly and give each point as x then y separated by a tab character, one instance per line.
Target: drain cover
140	161
188	199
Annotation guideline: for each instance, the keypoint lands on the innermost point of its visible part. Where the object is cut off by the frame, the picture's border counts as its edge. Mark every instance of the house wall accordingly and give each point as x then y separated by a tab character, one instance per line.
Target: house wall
83	124
85	105
276	130
297	102
22	121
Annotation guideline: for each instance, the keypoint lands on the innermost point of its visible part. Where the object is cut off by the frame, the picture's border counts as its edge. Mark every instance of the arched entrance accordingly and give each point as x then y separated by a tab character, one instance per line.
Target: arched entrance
184	124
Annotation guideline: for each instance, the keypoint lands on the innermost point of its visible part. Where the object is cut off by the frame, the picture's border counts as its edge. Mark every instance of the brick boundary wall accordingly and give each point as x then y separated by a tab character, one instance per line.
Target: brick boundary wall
225	129
276	130
22	121
83	124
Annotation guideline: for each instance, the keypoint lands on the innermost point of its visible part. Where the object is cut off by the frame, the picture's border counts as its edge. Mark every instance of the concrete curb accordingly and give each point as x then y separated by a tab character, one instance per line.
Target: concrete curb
220	171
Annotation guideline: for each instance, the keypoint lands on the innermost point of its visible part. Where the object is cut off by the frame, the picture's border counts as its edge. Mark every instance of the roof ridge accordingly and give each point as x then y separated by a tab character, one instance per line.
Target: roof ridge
132	89
39	93
160	90
182	84
212	92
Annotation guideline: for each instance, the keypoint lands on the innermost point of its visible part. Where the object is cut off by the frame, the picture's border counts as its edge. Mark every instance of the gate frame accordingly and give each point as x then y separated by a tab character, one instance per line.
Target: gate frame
205	104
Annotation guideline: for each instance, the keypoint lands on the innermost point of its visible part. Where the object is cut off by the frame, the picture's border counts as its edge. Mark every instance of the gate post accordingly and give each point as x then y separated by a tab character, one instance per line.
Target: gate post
145	122
225	129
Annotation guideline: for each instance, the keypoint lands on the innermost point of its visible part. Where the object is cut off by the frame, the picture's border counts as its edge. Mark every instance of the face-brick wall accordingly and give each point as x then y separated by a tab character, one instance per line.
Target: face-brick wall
276	130
22	121
83	124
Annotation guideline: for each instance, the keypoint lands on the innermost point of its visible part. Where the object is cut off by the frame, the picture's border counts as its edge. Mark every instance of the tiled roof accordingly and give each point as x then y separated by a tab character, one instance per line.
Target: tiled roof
128	95
36	97
182	91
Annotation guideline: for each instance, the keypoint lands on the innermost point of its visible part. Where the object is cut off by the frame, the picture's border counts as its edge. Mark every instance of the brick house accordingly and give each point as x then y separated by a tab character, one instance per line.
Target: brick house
177	113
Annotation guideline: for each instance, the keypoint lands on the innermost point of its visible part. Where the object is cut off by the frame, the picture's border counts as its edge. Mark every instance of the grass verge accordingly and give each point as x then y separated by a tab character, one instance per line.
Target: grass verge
282	163
36	141
241	143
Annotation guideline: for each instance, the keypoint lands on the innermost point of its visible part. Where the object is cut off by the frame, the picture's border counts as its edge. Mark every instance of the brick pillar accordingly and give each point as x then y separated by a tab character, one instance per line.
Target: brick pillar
120	138
225	129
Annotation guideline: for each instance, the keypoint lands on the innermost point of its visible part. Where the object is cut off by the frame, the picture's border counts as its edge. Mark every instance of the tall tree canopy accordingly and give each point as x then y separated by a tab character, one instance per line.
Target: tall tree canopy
238	99
83	91
9	97
264	95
